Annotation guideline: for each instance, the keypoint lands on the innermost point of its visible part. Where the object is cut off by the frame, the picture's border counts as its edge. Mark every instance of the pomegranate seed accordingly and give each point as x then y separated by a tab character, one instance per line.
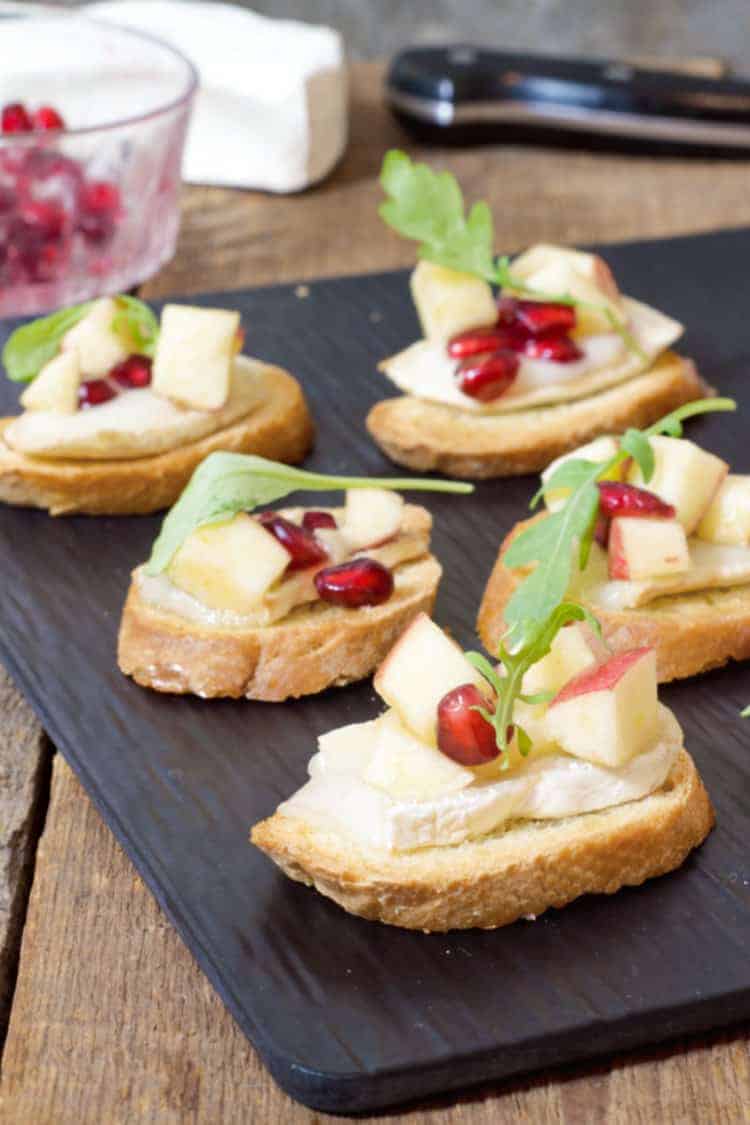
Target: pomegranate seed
506	310
94	392
488	339
619	499
7	200
135	371
558	349
489	376
100	196
301	544
14	118
543	317
356	583
96	229
46	118
462	733
48	219
314	519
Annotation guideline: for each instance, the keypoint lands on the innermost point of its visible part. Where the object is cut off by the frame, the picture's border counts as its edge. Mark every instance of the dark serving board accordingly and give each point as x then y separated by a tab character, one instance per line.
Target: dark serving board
352	1015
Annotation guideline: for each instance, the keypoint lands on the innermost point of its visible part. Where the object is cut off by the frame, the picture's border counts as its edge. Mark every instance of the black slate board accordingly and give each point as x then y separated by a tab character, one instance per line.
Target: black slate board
351	1015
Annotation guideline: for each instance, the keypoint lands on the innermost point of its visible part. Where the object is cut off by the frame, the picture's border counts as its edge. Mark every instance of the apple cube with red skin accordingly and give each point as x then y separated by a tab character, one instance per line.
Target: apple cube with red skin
609	713
574	649
685	476
372	516
422	667
647	548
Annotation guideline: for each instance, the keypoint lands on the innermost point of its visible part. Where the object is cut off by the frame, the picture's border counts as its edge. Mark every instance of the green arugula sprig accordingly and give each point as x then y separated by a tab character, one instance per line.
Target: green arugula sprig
228	483
33	345
428	207
515	663
553	543
745	713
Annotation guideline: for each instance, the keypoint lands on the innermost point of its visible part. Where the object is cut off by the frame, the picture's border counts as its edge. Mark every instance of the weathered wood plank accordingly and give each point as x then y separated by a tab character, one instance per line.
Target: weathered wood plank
24	754
112	1021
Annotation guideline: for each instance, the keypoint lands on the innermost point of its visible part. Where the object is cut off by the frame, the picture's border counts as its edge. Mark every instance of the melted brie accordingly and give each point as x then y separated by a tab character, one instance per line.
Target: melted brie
426	371
546	786
712	566
137	423
291	591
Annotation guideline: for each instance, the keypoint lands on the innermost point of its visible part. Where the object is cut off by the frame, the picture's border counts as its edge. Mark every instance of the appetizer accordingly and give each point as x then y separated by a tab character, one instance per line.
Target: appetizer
502	386
284	603
119	409
652	534
470	803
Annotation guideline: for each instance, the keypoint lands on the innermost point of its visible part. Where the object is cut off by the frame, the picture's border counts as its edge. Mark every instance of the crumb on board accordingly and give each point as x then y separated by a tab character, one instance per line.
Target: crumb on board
302	291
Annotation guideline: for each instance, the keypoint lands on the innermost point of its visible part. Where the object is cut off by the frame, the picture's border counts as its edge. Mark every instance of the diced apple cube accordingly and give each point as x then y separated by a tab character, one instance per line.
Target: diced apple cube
372	516
449	302
591	266
195	356
685	475
608	714
601	449
646	548
229	565
420	669
99	347
575	648
727	519
407	768
55	388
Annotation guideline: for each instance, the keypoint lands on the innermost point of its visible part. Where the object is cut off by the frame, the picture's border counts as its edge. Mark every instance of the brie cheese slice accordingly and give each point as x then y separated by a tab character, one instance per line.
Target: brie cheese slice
712	566
426	371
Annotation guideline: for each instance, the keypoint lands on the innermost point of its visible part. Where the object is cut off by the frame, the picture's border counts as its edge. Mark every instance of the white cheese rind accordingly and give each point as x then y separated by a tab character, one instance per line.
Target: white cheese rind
426	371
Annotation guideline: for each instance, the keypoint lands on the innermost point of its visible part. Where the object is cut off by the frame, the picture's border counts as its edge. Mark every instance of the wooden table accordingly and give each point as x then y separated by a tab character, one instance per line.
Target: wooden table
112	1022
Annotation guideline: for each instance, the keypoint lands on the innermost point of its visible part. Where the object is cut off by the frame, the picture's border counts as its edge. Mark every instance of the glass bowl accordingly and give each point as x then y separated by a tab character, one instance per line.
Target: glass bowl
92	208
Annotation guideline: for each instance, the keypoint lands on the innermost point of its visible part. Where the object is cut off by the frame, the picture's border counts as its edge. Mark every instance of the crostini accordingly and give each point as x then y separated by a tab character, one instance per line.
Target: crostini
119	409
282	604
459	807
500	387
669	564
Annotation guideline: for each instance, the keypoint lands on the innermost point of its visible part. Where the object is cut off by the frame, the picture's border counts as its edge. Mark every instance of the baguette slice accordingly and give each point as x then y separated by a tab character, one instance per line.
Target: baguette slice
518	872
690	632
279	428
316	646
430	436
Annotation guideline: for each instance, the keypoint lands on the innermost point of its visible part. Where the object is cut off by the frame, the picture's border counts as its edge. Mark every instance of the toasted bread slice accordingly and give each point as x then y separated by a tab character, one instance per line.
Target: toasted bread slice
317	645
518	872
427	435
690	632
280	428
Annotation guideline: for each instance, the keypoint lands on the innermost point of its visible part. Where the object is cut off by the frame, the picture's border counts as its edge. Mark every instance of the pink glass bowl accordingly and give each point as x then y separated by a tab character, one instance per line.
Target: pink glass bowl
94	208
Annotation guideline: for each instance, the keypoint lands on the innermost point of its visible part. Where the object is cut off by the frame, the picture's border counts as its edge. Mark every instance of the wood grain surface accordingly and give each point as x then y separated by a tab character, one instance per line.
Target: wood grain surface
112	1022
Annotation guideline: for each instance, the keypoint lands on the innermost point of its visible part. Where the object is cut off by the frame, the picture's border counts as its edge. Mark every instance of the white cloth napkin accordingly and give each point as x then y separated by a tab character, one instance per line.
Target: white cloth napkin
271	111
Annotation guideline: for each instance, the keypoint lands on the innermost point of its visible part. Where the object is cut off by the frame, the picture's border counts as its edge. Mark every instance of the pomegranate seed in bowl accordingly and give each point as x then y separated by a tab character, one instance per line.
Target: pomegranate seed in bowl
94	392
558	349
135	371
301	544
486	377
619	499
315	519
354	584
14	118
46	119
462	733
542	317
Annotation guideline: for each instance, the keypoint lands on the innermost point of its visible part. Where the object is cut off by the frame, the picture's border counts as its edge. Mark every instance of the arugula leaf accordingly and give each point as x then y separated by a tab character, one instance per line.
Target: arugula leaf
638	446
227	483
136	321
515	662
429	207
32	345
745	713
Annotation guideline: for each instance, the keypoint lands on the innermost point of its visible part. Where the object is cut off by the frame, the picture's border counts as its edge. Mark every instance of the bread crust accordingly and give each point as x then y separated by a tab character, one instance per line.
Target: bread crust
280	428
430	436
314	647
690	632
519	872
